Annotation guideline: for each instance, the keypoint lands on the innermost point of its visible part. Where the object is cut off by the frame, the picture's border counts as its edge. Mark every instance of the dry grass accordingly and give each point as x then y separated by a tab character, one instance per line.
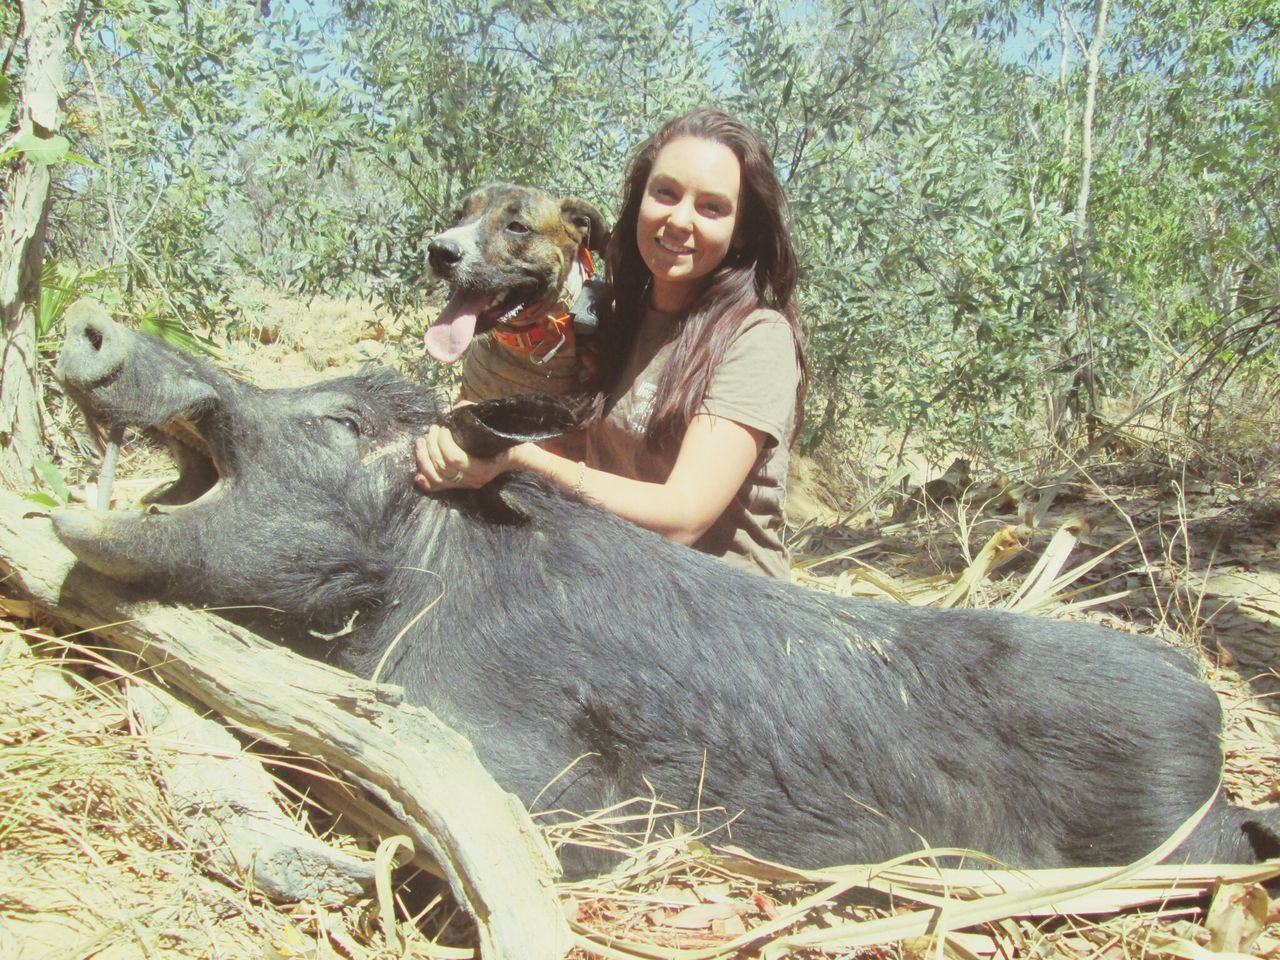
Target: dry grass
94	864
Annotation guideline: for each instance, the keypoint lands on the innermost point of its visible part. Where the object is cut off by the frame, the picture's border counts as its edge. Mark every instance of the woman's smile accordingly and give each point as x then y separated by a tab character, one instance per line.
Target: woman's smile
678	250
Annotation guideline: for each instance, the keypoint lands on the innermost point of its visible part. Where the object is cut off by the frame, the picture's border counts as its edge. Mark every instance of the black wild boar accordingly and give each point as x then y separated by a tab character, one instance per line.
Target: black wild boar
572	647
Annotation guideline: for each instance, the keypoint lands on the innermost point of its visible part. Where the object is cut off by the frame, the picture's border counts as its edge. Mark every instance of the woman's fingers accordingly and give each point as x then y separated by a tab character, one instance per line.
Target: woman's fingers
443	465
441	462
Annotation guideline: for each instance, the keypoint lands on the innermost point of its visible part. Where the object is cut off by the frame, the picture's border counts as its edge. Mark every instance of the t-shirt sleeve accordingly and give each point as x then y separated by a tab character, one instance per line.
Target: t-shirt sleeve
755	384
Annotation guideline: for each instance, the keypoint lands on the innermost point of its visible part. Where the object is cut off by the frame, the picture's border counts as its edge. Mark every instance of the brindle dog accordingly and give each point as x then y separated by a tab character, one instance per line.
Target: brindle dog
515	260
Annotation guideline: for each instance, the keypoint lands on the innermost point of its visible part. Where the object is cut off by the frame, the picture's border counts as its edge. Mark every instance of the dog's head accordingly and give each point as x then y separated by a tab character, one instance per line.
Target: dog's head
510	247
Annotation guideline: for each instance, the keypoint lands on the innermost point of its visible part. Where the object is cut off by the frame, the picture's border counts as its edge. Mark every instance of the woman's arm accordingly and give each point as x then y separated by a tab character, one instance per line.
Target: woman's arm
715	457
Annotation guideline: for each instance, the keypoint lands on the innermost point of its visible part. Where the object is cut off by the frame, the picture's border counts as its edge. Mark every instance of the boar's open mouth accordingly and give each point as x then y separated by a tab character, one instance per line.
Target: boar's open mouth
199	472
124	544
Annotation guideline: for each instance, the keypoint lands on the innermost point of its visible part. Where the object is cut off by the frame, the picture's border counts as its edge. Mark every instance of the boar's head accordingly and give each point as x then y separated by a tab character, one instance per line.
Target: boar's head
284	498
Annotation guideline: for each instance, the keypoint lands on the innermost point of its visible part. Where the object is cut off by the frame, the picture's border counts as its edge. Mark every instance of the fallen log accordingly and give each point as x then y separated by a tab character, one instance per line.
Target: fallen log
229	808
421	772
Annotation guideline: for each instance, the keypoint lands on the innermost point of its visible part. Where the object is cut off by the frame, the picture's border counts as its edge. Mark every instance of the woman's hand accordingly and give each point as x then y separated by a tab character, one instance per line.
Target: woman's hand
443	465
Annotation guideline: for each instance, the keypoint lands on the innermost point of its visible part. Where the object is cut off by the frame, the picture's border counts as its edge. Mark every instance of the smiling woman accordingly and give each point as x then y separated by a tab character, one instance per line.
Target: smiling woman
707	367
687	217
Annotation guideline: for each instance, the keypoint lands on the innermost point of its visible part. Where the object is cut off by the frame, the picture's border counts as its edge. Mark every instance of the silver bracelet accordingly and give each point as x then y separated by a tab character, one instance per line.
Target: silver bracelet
582	476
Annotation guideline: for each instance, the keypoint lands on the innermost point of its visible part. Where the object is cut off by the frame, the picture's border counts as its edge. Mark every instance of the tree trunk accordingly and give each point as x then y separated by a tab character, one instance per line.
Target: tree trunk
1079	399
26	214
1064	65
1100	12
1086	382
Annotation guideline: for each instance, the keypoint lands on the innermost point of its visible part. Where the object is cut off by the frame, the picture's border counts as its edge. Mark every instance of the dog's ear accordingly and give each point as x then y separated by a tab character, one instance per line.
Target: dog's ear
586	223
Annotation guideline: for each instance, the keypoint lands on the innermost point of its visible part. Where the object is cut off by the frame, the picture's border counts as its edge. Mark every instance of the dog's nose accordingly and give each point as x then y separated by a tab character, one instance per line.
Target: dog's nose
443	254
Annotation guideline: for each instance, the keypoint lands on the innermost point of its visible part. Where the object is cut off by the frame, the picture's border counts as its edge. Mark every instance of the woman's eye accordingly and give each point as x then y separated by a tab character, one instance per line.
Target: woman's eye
515	226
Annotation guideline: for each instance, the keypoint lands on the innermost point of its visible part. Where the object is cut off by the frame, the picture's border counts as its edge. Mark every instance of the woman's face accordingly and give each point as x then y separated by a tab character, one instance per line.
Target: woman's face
687	217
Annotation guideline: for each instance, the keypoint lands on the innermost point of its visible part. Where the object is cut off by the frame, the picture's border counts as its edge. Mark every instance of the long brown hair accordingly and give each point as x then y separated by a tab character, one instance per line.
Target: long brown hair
759	270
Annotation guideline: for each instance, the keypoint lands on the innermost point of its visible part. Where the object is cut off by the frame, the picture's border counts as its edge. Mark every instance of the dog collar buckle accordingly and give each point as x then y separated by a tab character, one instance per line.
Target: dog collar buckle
556	326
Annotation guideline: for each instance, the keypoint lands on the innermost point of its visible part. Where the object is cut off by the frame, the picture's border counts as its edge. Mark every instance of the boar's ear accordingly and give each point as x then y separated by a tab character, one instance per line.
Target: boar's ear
508	500
586	223
487	428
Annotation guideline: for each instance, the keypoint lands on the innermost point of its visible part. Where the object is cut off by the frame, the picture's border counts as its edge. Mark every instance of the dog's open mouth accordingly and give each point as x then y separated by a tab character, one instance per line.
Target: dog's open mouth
199	473
468	313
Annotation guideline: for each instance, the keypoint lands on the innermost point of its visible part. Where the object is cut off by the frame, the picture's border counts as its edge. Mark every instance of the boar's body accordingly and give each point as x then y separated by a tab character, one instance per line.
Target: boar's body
587	659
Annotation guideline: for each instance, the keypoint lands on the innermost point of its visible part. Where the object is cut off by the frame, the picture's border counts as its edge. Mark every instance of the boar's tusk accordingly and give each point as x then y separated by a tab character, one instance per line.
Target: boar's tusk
107	475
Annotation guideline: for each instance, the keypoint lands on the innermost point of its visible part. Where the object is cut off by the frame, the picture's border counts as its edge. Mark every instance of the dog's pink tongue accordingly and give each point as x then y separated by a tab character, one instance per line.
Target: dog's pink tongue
447	338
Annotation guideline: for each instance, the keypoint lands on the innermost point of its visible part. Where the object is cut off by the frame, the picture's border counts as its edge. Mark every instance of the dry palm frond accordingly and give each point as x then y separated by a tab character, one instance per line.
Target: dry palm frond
1047	588
667	911
1043	589
863	579
808	565
1002	547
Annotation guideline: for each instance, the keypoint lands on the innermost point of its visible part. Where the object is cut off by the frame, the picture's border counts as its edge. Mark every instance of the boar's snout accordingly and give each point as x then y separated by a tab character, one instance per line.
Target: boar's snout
95	348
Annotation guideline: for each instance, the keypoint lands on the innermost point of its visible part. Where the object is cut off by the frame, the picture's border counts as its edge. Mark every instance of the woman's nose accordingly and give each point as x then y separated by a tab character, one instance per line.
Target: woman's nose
681	215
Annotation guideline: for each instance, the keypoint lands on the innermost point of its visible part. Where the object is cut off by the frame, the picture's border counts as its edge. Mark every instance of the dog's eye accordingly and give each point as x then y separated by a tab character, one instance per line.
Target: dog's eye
515	226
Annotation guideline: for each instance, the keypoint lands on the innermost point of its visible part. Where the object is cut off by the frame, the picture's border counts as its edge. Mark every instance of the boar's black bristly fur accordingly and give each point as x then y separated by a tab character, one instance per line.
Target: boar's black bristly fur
590	661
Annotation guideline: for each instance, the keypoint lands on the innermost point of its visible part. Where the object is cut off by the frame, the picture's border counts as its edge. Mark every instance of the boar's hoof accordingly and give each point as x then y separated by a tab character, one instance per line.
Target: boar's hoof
486	429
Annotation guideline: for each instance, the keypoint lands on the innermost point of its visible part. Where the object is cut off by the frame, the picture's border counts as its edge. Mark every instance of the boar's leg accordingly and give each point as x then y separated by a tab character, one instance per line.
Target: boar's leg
486	429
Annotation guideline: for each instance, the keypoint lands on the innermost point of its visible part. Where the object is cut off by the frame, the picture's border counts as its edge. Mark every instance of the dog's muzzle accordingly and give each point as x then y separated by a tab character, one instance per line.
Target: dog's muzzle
443	255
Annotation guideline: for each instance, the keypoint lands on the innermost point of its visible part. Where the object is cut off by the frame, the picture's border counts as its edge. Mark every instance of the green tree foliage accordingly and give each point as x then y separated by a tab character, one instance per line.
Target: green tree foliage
934	154
432	99
163	94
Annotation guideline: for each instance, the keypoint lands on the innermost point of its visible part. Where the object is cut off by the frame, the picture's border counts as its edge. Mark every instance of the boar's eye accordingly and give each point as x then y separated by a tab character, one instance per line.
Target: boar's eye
348	423
515	226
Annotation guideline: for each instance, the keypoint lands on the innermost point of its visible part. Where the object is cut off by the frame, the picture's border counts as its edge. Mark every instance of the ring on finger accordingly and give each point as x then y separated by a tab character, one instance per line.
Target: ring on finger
457	476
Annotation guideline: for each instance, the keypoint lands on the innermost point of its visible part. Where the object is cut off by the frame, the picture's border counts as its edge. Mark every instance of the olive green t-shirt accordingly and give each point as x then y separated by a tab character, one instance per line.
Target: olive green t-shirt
755	385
